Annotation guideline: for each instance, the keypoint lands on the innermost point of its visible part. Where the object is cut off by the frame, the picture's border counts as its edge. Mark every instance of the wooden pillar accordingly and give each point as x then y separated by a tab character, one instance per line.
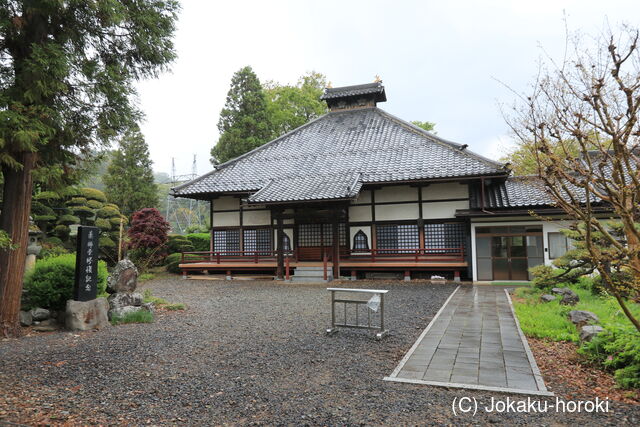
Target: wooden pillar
211	225
336	247
279	248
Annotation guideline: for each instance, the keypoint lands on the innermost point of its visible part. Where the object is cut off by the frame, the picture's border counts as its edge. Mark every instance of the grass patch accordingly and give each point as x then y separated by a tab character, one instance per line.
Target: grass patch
141	316
146	276
549	320
161	302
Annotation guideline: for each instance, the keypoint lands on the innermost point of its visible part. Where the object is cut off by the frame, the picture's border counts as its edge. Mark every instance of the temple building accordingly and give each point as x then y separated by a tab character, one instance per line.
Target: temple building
364	192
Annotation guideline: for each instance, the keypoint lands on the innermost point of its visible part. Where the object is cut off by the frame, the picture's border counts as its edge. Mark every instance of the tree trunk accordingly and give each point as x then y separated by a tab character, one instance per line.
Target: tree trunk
14	219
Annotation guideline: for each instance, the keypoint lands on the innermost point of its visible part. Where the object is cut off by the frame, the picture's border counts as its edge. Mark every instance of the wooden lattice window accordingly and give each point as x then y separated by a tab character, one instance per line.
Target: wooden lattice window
257	240
310	235
445	236
227	242
360	241
397	236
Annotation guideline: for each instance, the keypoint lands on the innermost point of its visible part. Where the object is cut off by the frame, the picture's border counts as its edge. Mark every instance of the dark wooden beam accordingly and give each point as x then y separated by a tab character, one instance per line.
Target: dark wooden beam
280	253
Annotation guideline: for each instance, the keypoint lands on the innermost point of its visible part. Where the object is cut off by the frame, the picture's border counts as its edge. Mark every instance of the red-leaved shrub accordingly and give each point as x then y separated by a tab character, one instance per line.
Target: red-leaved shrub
147	237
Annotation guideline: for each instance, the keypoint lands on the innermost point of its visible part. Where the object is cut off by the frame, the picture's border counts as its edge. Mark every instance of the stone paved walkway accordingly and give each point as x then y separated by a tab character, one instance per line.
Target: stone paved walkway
473	342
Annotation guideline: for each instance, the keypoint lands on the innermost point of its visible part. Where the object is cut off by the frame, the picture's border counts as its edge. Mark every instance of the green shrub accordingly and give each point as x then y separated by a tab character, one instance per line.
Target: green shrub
200	241
50	283
49	250
141	316
618	349
62	231
47	195
93	194
103	224
68	220
53	241
544	276
157	301
621	280
175	307
82	211
178	243
172	262
106	243
94	204
40	209
77	201
115	221
44	218
108	211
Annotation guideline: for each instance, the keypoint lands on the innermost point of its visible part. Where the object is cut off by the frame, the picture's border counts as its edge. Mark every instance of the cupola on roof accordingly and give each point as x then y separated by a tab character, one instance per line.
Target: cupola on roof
347	97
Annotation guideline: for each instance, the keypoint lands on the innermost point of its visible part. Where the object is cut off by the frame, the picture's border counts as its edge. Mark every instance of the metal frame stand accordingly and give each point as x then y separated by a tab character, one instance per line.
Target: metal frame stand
382	332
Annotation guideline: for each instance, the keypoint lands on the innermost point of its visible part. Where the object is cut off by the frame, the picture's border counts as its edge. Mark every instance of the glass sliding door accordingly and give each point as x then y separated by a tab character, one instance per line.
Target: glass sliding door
507	253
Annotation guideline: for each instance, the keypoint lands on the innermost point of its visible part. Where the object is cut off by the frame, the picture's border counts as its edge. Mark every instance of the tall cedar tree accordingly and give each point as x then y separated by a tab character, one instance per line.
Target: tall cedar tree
67	74
129	179
244	123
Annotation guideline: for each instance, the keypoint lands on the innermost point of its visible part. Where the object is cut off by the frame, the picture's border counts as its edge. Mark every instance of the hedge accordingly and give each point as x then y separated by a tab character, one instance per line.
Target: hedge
172	262
50	283
200	241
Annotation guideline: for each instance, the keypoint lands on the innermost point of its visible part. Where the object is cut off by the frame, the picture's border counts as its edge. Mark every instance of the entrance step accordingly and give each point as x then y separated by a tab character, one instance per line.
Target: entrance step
311	274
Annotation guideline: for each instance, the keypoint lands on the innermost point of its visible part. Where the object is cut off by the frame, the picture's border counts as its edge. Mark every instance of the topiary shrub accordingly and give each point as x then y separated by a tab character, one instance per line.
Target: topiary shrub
50	283
200	241
172	261
93	194
62	232
53	241
106	243
103	224
94	204
68	220
108	211
82	211
77	201
178	243
47	195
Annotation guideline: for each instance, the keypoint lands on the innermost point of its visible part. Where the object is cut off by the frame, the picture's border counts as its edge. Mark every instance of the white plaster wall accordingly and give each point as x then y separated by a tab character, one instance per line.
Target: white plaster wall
438	210
359	213
397	212
396	193
364	197
256	217
551	227
353	230
226	203
448	190
226	219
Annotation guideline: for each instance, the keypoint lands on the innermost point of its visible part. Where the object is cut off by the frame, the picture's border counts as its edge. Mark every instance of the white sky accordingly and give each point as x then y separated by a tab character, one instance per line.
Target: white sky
439	60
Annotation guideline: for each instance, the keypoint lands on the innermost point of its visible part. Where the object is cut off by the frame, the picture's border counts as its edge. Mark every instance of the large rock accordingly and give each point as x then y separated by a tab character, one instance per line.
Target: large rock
547	298
122	299
123	311
123	278
587	333
570	299
562	291
40	313
581	318
26	319
85	315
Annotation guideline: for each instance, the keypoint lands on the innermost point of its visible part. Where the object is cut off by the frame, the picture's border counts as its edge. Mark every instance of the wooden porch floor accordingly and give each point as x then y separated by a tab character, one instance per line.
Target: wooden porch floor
266	265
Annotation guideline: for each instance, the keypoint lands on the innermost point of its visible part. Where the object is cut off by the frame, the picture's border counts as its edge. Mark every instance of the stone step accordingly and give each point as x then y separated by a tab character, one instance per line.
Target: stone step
310	273
310	279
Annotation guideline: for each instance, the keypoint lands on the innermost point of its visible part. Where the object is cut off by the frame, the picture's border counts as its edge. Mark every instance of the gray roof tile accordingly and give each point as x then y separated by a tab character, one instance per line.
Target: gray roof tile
367	142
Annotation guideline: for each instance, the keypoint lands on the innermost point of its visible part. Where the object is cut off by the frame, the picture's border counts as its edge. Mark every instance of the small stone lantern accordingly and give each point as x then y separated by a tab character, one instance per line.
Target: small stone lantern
34	248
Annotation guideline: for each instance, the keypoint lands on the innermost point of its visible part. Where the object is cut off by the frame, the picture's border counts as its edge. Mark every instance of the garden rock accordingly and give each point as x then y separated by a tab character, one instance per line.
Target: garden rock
547	298
124	277
86	315
122	299
581	318
569	299
149	306
562	291
123	311
587	333
40	313
26	319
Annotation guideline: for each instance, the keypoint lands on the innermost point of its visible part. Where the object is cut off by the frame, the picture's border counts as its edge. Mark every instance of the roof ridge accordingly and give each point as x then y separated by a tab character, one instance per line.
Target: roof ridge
435	138
228	162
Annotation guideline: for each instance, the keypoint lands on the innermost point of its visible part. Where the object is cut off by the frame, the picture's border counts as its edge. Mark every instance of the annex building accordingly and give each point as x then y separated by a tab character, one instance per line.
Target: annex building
365	192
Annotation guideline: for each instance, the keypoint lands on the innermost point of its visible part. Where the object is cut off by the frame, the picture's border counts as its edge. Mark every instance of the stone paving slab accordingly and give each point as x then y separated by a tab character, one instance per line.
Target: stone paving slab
474	342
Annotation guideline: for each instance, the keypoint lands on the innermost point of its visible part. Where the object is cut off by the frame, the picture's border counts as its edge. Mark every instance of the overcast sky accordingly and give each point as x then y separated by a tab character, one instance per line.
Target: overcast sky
439	60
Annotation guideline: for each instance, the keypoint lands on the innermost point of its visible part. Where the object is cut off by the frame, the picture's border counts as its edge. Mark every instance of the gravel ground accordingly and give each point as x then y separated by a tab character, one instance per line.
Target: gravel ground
245	352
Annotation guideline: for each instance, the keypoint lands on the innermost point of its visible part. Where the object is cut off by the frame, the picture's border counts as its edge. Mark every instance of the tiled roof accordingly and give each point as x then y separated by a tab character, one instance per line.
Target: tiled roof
309	188
355	90
515	192
367	142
